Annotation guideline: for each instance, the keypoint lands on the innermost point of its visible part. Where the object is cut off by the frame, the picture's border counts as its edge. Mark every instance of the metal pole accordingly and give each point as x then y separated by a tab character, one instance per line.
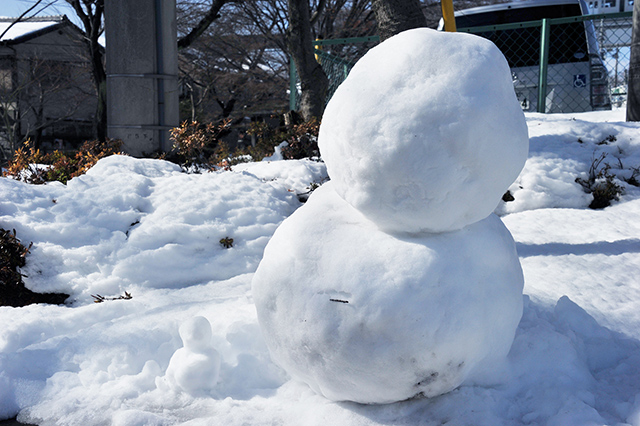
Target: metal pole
544	60
160	71
292	84
633	89
448	16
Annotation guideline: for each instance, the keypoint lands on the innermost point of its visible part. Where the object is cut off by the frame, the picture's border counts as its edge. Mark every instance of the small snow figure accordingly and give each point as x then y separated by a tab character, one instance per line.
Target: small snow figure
194	368
395	279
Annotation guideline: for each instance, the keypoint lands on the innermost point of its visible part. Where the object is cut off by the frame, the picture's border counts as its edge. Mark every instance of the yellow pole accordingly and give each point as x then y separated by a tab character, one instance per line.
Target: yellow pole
319	47
447	15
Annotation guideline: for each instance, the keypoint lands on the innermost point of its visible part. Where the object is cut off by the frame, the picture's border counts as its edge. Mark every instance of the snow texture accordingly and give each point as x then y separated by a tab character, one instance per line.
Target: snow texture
365	316
139	221
575	359
423	137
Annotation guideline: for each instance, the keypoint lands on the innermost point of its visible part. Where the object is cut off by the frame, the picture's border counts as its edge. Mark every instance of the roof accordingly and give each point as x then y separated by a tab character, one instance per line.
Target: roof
518	5
30	27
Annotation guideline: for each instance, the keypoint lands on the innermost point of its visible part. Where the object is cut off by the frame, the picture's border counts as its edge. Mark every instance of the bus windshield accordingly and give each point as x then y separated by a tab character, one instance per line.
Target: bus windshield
521	46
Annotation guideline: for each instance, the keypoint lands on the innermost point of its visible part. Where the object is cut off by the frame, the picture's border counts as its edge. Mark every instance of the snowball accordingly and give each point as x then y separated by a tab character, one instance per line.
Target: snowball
195	367
362	315
426	133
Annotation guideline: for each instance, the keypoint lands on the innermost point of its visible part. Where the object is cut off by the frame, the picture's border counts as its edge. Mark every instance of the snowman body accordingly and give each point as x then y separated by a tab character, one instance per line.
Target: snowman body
385	285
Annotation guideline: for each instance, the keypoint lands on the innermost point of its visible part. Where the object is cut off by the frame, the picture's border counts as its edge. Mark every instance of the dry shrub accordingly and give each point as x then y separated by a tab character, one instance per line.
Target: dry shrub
12	290
302	140
198	146
600	183
32	166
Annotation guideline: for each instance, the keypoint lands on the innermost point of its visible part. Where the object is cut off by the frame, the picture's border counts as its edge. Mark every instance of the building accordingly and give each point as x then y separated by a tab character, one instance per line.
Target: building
47	92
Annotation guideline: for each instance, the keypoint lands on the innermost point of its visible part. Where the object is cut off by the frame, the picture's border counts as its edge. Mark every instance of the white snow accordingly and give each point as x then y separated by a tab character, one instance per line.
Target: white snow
575	359
425	137
23	28
345	307
194	368
341	302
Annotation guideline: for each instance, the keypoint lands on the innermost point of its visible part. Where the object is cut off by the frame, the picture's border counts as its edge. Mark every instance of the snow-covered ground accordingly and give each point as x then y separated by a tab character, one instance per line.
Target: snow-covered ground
143	227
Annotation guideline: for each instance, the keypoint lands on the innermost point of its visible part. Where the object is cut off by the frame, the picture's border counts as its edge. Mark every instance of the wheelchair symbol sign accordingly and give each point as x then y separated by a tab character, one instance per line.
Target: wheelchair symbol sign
579	80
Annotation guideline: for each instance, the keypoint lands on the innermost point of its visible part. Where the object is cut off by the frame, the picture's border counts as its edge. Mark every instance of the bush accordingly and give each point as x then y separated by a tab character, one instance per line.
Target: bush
12	289
302	140
600	183
32	166
199	146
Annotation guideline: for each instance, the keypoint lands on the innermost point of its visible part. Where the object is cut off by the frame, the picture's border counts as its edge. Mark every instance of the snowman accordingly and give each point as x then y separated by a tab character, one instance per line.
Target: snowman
195	367
396	280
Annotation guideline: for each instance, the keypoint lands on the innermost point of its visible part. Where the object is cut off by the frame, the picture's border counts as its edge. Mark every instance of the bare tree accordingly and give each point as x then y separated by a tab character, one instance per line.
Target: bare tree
345	18
395	16
91	13
51	94
46	93
206	14
241	62
9	137
313	81
237	67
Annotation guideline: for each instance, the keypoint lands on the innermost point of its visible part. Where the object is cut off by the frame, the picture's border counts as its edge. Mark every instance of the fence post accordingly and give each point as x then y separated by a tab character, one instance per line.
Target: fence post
544	60
293	79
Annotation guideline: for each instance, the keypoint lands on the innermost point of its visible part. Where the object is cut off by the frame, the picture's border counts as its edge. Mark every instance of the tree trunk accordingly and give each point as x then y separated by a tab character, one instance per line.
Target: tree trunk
633	90
90	13
395	16
100	79
314	83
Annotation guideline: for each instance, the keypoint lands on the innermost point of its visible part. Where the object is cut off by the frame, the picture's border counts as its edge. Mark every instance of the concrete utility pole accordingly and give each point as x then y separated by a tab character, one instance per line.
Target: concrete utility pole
633	88
142	73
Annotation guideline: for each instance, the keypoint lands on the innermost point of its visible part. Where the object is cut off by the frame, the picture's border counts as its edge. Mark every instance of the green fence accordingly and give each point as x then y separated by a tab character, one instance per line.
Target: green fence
551	60
337	57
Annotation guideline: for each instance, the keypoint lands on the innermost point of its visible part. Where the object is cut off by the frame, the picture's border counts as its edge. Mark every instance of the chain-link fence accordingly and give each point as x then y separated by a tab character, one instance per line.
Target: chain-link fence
566	64
614	39
337	57
570	64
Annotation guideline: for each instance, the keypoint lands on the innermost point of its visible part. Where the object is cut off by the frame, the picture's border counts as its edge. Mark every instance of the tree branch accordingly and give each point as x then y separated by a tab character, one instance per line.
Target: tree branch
318	11
20	18
204	23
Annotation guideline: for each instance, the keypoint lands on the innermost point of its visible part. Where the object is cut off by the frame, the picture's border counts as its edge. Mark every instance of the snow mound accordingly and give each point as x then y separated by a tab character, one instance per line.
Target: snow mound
426	133
130	223
346	310
123	164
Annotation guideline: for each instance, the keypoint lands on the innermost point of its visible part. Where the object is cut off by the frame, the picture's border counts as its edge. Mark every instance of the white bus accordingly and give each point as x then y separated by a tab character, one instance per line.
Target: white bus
577	79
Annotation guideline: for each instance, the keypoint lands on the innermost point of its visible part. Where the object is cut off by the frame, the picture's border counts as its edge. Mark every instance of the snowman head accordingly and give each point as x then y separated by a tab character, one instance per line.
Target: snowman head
426	133
196	334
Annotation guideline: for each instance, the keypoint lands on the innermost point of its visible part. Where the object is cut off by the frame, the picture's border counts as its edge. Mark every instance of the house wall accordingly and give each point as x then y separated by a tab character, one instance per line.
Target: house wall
52	81
8	102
